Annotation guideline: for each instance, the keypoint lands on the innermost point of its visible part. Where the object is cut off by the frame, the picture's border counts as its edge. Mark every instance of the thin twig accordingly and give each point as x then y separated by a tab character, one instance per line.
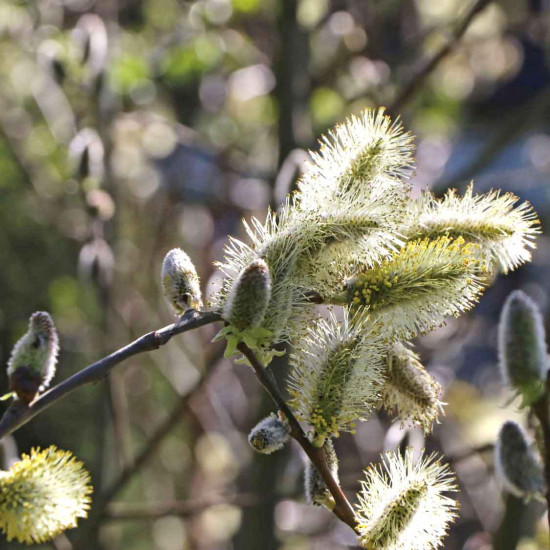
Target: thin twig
342	508
428	66
125	511
19	414
472	452
542	412
156	438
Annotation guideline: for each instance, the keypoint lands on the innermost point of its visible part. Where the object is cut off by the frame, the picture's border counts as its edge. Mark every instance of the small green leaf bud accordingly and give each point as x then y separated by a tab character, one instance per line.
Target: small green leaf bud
522	347
32	362
316	490
180	282
516	463
248	299
269	435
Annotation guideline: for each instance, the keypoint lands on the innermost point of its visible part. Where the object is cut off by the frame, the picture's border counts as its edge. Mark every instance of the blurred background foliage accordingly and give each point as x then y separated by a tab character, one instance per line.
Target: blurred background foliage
129	127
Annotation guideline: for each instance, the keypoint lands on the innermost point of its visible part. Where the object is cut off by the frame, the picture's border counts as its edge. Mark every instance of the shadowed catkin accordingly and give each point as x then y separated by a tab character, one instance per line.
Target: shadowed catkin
316	490
180	282
249	296
522	347
336	375
517	465
504	231
402	506
410	389
31	365
269	435
42	495
417	288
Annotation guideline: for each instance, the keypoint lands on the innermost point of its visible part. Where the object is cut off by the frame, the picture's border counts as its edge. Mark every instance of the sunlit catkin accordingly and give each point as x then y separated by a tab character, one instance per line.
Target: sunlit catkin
269	435
351	198
402	505
180	282
32	362
42	495
517	464
336	375
522	347
504	230
409	389
359	157
417	288
316	490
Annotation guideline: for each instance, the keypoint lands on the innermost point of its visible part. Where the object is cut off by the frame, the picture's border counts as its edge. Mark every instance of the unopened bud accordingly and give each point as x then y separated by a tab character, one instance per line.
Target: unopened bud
91	39
86	153
32	363
249	296
180	282
522	347
517	464
269	435
316	490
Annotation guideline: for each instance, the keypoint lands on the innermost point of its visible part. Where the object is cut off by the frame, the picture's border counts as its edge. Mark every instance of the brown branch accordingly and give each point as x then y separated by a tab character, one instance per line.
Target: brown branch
541	408
125	511
429	65
153	442
473	451
342	508
19	414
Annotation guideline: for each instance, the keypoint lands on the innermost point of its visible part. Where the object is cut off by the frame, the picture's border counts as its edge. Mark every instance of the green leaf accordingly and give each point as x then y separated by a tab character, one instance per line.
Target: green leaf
222	334
232	343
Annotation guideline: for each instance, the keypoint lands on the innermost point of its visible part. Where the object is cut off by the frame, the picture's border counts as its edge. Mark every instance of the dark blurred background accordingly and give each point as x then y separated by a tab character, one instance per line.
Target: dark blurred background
129	127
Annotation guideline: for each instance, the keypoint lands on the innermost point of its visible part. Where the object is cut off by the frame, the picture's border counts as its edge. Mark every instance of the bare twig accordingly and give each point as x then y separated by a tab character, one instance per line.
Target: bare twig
541	408
61	542
153	442
125	511
509	128
120	420
19	414
472	452
342	508
429	65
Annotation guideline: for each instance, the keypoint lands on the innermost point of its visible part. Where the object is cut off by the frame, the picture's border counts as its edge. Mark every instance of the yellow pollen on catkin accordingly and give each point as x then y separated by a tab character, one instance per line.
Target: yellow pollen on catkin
400	291
42	495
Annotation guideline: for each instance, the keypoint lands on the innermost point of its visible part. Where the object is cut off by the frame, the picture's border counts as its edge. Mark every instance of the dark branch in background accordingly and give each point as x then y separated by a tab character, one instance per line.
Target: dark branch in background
18	413
541	408
150	447
61	542
472	452
511	125
183	509
342	508
429	65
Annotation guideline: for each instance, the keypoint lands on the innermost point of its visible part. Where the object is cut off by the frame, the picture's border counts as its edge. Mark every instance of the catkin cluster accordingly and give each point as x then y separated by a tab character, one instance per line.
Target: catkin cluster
352	236
393	267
